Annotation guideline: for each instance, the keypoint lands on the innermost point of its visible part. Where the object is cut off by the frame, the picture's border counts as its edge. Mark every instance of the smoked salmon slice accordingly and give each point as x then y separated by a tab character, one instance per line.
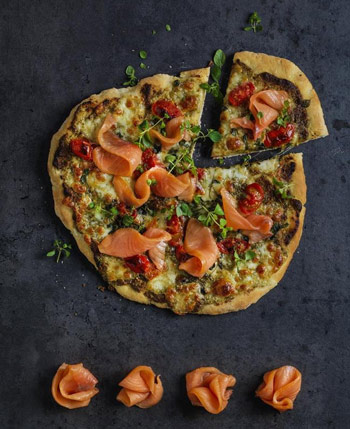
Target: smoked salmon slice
156	253
141	387
73	386
201	245
164	184
265	107
114	155
256	227
127	242
280	387
173	133
208	387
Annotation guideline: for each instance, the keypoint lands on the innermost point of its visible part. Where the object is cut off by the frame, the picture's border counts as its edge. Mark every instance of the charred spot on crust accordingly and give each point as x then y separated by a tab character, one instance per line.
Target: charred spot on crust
296	204
155	297
138	284
146	94
269	189
62	154
67	191
290	234
287	170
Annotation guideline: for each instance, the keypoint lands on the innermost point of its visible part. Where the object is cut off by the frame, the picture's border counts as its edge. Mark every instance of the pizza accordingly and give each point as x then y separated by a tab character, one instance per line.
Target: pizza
269	104
158	229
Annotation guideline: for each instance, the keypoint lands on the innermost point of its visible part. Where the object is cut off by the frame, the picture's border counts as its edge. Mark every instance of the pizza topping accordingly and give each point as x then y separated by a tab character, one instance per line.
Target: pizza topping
73	386
200	244
163	184
256	227
279	136
181	254
253	199
265	107
157	253
139	264
173	133
82	148
209	388
115	156
222	287
141	387
231	245
150	159
280	387
126	242
241	94
166	109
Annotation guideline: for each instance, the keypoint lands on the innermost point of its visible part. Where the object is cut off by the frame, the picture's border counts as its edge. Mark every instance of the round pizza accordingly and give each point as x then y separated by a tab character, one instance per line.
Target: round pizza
158	229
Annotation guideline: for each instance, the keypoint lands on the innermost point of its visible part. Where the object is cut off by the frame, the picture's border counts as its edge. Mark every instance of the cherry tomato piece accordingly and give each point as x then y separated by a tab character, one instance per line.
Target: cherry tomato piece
181	254
82	148
229	245
162	107
200	173
149	159
240	94
174	225
139	263
279	136
253	199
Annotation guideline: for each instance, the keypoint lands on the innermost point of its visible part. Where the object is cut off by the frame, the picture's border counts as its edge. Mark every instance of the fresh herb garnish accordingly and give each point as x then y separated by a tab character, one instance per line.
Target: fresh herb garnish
221	161
153	32
281	188
183	209
247	256
60	248
182	161
97	208
210	217
246	159
127	220
151	182
215	73
130	72
143	54
142	65
260	115
254	22
144	141
284	117
167	27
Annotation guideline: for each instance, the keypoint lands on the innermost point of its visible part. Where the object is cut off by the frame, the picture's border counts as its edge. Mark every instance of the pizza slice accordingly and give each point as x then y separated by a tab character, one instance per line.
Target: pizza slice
269	104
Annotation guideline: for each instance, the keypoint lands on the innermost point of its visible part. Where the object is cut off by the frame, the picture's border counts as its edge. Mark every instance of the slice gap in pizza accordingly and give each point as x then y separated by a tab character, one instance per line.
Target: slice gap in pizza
269	104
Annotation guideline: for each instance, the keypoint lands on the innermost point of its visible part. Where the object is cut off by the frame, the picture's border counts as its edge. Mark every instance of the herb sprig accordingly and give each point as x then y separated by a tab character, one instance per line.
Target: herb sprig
281	188
59	249
144	141
284	117
182	161
130	73
215	73
254	22
210	217
212	134
97	208
247	256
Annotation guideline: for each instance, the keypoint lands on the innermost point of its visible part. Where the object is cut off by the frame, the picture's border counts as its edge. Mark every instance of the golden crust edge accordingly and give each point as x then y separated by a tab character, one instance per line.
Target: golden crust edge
244	301
64	213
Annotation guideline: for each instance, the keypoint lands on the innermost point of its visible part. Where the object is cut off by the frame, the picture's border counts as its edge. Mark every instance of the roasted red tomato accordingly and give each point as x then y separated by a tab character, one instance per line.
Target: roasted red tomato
240	94
279	136
181	254
149	159
139	264
200	173
253	199
123	210
82	148
174	225
162	107
229	245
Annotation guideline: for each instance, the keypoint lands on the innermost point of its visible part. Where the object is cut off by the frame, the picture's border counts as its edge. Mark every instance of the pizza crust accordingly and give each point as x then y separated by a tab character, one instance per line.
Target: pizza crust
160	81
285	69
244	301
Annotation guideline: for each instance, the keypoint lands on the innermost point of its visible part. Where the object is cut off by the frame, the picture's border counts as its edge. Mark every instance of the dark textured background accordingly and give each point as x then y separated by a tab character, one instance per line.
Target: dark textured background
53	54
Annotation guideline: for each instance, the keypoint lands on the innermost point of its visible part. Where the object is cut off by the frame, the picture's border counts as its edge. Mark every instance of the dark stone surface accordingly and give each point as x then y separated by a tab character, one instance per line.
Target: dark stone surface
53	54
